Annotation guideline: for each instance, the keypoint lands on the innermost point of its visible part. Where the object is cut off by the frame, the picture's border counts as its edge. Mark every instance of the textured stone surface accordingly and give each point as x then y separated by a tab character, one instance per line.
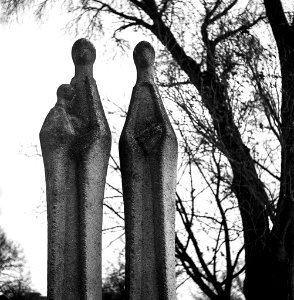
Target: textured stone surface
76	140
57	136
148	156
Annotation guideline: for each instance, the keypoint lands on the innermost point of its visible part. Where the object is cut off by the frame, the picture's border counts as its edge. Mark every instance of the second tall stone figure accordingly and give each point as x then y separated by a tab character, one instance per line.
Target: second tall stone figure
148	156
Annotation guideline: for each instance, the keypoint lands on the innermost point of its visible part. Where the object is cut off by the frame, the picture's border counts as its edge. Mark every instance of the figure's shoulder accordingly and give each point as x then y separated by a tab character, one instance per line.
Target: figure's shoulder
55	114
56	122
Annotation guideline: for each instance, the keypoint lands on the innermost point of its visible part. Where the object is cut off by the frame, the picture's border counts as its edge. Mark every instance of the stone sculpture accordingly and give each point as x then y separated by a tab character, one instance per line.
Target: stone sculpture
76	140
57	136
148	157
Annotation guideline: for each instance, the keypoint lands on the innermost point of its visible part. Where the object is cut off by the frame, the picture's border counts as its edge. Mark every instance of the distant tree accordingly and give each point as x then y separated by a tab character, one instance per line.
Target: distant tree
13	284
23	296
113	286
10	257
19	289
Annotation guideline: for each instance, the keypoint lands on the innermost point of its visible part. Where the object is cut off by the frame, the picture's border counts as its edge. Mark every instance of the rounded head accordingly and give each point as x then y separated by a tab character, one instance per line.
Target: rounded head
144	55
66	92
83	52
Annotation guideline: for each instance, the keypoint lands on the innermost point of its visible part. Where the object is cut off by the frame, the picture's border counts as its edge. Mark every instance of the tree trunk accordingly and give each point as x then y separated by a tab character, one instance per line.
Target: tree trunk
282	242
250	193
248	189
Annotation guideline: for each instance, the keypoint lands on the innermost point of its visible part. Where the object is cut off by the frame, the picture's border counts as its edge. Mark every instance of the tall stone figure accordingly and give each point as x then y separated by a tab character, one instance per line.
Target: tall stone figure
76	140
57	136
148	156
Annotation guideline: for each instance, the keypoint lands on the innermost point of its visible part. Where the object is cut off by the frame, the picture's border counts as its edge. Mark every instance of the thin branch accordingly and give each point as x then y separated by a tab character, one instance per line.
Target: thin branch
267	170
113	241
173	84
196	275
118	13
225	224
224	11
241	28
113	210
114	188
187	226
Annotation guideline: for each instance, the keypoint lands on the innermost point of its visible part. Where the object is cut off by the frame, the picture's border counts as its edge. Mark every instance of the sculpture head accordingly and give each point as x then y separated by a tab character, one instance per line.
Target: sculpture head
65	94
83	52
144	55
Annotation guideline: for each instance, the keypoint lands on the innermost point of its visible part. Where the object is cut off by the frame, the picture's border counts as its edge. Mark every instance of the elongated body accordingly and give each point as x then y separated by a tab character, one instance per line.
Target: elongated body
148	157
76	143
57	137
92	150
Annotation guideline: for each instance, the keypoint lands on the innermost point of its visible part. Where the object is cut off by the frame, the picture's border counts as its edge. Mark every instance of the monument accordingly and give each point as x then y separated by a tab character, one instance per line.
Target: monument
75	141
148	156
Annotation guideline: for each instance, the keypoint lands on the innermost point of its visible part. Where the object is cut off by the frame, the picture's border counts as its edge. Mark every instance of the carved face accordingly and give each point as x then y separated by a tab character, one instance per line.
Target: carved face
65	95
83	52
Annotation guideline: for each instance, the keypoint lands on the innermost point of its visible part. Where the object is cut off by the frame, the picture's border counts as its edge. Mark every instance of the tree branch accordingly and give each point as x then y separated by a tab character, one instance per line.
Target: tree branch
196	274
110	9
224	11
187	225
241	28
226	228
